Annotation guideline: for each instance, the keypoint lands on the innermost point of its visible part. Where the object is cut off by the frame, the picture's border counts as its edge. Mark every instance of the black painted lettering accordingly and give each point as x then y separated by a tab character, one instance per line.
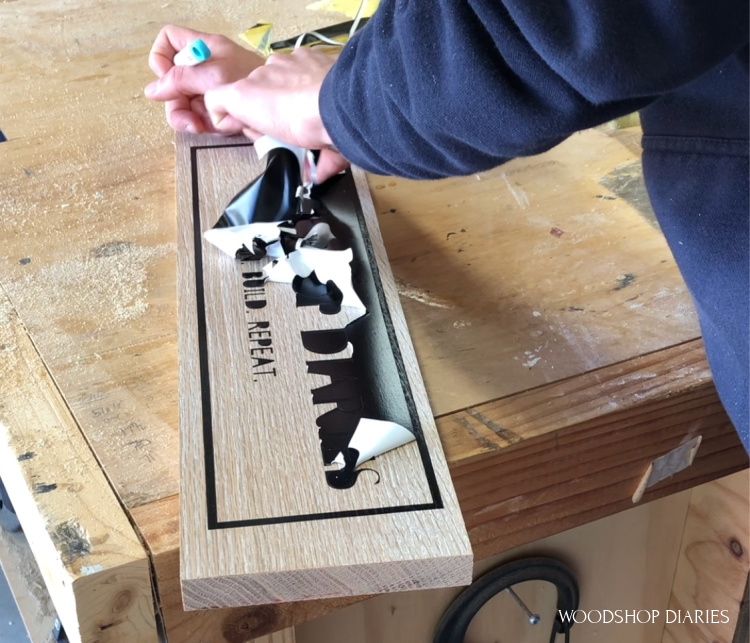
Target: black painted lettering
336	429
255	304
336	369
260	337
344	393
325	342
254	288
313	292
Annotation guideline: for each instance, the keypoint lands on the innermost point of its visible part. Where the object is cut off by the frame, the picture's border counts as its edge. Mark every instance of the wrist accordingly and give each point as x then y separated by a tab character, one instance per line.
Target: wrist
325	137
313	131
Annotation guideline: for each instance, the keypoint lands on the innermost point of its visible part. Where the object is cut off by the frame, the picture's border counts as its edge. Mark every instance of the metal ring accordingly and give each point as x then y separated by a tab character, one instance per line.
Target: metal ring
455	622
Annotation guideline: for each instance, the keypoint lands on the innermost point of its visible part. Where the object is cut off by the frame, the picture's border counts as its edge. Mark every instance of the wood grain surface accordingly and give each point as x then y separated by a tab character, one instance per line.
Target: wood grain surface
235	625
92	562
571	462
625	561
510	279
532	275
27	586
259	522
712	572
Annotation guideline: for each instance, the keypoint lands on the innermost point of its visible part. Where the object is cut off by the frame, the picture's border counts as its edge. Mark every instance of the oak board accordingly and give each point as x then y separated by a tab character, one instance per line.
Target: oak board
260	523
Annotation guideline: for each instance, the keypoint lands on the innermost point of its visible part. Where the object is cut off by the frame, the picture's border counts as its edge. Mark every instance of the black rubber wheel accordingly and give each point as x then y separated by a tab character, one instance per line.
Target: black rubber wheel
455	622
8	519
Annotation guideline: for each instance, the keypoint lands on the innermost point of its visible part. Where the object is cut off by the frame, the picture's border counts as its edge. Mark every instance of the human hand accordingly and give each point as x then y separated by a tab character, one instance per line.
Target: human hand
279	99
182	88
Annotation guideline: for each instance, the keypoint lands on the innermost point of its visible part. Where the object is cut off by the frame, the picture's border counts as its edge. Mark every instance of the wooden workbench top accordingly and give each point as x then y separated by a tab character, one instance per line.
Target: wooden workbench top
558	343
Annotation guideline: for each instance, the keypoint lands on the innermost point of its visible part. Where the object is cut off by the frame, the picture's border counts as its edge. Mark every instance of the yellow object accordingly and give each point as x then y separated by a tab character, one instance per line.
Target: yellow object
631	120
259	37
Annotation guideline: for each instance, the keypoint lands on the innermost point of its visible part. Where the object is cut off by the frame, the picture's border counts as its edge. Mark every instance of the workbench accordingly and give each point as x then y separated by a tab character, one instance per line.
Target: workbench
558	344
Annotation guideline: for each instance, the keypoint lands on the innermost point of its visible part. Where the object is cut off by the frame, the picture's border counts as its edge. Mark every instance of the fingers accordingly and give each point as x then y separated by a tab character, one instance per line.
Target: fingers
229	62
179	81
329	164
198	107
231	100
170	40
180	116
226	125
190	115
280	59
252	134
187	81
235	92
274	100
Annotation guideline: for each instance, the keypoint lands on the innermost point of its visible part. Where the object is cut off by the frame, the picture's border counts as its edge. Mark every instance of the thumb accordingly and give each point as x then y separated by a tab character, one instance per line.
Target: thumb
329	164
177	82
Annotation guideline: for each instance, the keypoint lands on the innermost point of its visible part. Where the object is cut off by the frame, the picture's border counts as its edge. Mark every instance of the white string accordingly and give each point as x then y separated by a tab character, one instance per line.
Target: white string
330	41
320	37
357	18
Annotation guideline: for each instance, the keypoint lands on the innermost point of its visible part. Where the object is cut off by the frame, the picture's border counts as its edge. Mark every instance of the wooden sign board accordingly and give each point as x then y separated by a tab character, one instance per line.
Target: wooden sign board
260	523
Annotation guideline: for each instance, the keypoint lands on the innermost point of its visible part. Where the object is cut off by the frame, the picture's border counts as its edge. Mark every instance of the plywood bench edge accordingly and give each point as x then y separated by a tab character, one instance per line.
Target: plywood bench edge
93	563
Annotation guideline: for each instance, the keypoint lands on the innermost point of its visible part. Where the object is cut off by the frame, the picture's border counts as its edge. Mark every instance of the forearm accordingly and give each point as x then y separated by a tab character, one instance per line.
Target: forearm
442	88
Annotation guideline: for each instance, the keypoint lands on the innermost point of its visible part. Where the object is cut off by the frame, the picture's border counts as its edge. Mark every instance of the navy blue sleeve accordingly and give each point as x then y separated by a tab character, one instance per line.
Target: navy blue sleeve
450	87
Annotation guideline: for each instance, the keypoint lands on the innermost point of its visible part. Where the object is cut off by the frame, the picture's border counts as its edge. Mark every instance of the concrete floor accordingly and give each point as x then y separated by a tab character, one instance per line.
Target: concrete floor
12	629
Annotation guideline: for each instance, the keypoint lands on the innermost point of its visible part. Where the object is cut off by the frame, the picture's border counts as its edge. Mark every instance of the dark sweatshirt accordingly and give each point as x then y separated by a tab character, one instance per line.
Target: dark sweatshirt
449	87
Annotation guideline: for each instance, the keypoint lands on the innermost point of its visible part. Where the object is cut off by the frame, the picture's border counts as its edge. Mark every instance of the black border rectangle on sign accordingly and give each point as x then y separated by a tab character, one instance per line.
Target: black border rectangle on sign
205	389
